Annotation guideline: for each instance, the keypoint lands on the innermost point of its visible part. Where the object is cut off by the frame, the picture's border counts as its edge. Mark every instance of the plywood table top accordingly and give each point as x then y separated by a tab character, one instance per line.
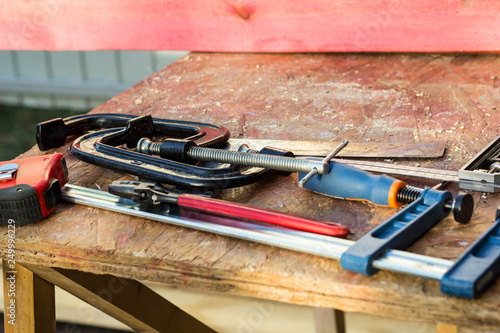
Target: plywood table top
453	99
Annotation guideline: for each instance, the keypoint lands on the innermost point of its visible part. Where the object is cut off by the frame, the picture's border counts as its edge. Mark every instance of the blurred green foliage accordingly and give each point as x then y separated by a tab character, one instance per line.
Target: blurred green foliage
18	125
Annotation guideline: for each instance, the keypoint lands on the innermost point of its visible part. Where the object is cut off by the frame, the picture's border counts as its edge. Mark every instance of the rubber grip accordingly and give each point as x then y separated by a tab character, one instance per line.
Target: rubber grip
349	183
20	203
262	215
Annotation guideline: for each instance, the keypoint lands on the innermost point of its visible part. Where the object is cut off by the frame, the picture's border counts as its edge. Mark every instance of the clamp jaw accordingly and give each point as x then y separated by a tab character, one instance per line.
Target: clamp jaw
151	193
143	192
477	267
53	133
399	232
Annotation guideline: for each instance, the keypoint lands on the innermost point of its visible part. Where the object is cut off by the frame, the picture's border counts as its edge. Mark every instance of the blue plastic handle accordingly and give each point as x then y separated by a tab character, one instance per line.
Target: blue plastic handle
399	232
477	267
347	182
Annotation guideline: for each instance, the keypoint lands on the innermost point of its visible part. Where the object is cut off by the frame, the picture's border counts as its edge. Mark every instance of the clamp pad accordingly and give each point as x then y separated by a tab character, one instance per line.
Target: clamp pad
477	267
399	232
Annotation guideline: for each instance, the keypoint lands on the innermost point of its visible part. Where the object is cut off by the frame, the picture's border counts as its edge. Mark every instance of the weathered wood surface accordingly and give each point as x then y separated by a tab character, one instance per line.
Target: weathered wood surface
376	98
252	26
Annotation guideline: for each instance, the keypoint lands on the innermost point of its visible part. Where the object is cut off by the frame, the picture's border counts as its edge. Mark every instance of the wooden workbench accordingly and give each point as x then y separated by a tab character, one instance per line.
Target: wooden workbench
454	99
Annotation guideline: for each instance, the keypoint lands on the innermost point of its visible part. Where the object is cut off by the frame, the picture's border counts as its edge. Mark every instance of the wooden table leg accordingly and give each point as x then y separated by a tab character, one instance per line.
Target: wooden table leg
126	300
446	328
29	301
329	320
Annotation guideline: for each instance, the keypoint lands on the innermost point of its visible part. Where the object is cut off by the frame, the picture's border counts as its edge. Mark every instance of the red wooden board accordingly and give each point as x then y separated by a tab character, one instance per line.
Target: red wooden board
252	25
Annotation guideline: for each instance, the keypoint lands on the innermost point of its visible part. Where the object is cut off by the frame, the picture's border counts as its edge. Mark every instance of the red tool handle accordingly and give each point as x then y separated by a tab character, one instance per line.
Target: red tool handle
262	215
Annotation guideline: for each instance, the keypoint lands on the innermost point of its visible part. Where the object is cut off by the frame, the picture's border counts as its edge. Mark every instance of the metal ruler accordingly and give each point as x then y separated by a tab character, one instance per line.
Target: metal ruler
481	173
354	149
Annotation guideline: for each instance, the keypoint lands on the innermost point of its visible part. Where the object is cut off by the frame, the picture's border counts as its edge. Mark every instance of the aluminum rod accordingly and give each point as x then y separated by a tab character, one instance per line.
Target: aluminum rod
324	246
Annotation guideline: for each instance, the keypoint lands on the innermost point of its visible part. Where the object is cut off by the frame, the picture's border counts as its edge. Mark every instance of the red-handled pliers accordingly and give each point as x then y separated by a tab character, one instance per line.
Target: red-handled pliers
154	193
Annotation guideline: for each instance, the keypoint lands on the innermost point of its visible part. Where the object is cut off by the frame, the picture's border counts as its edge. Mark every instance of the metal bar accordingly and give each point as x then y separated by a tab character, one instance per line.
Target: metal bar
477	184
325	246
354	149
403	170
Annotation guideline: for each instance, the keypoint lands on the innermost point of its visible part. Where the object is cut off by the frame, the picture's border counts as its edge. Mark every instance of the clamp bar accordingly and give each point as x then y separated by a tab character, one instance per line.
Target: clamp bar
295	240
325	246
477	267
399	232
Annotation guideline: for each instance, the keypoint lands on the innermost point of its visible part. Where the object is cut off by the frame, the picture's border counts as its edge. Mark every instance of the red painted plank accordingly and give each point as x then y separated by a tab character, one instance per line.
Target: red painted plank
252	25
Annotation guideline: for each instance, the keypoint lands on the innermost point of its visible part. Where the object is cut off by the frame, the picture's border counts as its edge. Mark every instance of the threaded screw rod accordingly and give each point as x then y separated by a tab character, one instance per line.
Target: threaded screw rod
281	163
407	195
146	146
312	172
462	207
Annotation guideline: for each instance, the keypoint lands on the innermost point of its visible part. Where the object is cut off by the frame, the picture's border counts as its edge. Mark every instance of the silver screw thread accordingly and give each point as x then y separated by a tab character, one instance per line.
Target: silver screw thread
154	148
281	163
243	156
146	146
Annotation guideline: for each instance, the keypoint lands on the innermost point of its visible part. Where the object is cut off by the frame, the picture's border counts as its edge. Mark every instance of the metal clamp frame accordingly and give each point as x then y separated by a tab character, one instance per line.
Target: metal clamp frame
106	148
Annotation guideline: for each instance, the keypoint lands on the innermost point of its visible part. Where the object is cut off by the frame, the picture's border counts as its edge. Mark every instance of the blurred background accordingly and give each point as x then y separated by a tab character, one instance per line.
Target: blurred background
40	85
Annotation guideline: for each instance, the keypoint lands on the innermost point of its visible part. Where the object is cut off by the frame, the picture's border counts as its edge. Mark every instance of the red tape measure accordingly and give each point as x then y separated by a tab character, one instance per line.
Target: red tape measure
30	187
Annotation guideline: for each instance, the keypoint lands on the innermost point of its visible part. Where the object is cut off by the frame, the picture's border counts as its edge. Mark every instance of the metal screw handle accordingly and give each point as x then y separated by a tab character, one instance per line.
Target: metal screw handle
244	148
326	160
